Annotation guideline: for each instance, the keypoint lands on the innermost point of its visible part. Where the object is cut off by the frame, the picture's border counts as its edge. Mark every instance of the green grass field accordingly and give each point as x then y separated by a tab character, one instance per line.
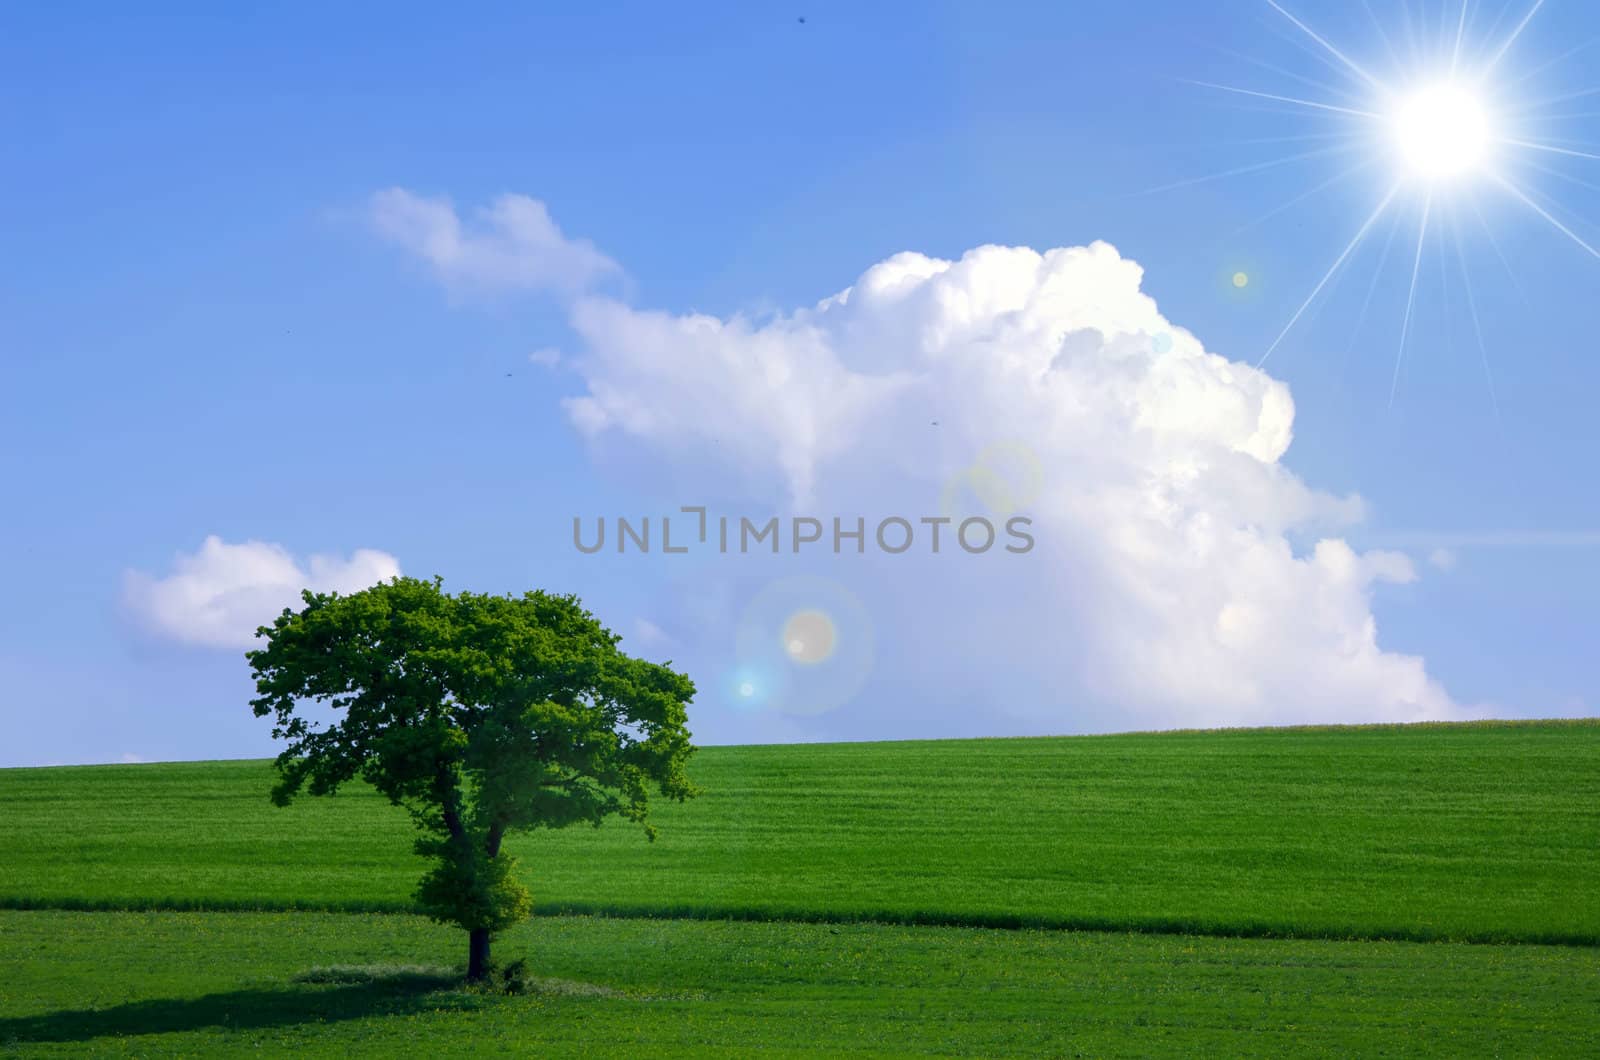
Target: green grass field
210	983
1213	877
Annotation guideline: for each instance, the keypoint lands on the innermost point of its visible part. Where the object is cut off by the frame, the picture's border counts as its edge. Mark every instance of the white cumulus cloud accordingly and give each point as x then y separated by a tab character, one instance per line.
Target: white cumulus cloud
512	244
218	595
1183	576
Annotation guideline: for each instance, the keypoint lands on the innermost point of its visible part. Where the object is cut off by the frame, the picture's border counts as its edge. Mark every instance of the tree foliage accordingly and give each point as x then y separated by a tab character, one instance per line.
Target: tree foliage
481	715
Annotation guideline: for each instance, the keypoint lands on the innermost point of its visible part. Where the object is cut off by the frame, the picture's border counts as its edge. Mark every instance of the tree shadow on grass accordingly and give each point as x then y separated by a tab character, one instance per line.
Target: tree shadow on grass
242	1010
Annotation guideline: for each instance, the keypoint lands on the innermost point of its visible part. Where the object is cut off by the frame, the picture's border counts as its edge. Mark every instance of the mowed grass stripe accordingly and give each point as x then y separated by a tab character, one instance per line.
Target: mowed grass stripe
1225	928
1480	832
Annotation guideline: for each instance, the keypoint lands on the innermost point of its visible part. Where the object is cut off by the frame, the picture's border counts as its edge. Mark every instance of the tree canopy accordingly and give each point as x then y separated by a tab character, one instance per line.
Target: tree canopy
482	715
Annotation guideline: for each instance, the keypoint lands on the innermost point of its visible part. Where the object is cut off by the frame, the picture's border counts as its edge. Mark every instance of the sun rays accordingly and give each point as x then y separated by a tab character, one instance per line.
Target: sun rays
1446	119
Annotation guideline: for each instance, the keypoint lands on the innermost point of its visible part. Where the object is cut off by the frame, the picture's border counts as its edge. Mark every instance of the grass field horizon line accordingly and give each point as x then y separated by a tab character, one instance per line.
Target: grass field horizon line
1135	925
1568	721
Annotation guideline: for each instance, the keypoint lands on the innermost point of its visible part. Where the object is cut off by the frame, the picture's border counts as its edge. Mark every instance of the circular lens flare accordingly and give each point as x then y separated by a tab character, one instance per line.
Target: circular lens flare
809	636
1442	131
805	646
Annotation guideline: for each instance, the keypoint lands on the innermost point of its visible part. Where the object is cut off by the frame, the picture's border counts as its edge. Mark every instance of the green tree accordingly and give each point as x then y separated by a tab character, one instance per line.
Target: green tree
482	716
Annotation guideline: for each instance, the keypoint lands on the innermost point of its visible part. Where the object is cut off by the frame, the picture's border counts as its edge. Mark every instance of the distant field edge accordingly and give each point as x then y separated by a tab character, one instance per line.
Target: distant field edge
1301	729
1177	925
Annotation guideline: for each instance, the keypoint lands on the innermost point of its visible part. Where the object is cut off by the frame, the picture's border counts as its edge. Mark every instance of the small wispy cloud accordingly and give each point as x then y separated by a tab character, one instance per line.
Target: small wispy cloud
218	595
510	245
649	633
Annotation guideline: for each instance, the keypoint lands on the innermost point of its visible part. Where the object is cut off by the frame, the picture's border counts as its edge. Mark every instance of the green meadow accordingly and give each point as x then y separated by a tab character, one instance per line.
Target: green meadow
224	983
1354	890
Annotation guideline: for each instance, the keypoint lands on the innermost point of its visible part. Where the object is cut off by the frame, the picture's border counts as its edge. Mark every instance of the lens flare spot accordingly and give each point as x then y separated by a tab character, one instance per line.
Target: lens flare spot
809	636
753	684
1241	280
1003	480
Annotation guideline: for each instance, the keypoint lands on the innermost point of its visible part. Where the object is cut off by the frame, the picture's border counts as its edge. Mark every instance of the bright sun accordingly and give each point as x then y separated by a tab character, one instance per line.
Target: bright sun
1442	131
1458	124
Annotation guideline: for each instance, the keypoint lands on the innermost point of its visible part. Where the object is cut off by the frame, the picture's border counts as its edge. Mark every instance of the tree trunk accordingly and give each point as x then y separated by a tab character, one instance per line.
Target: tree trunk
478	955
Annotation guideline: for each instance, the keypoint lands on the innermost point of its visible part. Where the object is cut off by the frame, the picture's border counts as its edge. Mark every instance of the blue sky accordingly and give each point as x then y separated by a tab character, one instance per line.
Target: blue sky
205	330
